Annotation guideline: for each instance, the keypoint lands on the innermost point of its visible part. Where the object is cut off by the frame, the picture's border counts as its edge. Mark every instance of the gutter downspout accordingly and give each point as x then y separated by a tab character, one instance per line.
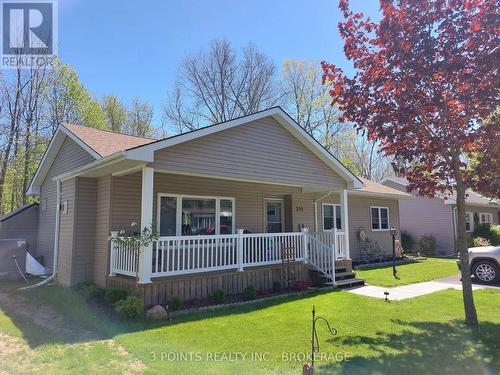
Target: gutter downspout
56	240
316	210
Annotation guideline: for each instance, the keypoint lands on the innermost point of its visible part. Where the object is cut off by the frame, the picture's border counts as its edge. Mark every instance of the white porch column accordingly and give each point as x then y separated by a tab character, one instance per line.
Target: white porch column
146	255
305	243
345	220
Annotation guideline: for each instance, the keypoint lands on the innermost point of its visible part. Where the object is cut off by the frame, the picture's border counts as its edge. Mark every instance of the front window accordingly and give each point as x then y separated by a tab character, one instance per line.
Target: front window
190	215
332	213
486	218
198	216
380	218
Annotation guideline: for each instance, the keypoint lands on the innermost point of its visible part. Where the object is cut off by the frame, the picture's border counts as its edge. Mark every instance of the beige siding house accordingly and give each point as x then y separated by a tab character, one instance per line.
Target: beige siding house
231	202
437	216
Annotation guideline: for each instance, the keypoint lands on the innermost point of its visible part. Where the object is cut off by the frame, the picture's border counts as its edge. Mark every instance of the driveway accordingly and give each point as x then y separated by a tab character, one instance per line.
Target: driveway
455	280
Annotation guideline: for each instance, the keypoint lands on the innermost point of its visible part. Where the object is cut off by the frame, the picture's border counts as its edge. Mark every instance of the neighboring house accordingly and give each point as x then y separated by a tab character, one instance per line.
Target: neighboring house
437	216
228	200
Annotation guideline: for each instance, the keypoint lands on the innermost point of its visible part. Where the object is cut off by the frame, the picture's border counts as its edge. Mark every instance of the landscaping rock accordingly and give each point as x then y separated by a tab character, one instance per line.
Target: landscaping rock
157	313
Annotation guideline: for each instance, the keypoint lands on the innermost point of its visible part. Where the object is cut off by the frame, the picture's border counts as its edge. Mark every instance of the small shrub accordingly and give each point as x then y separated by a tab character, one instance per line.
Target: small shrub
427	244
175	303
250	292
407	241
301	285
112	296
89	290
491	233
131	307
218	295
277	286
479	242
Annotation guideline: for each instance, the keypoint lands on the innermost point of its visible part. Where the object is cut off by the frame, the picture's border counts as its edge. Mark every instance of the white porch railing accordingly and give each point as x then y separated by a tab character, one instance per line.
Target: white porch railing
334	238
194	254
123	259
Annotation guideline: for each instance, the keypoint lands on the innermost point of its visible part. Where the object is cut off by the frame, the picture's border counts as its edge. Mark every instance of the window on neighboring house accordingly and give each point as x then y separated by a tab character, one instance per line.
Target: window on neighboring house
192	215
468	222
380	218
486	218
332	213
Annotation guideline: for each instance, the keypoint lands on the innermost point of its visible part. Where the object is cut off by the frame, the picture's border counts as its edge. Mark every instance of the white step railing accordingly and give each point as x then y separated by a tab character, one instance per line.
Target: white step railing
322	256
334	238
194	254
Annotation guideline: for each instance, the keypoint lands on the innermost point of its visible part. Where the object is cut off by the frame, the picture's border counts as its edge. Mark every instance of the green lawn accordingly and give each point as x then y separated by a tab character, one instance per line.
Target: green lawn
420	335
425	270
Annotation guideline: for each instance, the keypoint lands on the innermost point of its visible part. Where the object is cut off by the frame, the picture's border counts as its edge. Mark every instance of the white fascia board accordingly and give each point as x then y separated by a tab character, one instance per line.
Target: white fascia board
47	159
80	143
146	152
50	154
490	205
395	180
379	195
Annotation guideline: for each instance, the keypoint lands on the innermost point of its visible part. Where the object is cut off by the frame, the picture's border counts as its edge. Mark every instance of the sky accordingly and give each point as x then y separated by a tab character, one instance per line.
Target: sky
134	48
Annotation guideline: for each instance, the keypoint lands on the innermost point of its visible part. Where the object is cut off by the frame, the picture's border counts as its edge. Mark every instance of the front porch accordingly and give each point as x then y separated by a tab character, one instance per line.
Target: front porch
198	233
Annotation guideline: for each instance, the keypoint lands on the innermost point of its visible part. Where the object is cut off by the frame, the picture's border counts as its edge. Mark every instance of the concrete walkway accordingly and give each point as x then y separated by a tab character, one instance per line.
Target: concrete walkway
408	291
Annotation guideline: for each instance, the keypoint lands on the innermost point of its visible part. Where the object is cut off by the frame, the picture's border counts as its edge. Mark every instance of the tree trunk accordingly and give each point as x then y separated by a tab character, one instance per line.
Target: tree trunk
27	162
470	308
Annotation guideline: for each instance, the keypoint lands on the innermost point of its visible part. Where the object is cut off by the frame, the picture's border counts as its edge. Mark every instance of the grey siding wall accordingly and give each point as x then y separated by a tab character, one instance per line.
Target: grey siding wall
102	229
249	197
66	233
23	225
422	215
259	151
70	156
85	229
360	218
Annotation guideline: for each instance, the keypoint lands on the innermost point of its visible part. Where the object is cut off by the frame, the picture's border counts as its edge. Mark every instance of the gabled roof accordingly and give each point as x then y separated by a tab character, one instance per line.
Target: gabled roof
105	142
108	146
472	198
146	152
374	188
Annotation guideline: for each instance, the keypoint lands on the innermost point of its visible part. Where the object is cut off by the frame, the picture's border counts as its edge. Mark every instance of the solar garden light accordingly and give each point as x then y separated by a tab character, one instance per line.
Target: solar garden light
386	296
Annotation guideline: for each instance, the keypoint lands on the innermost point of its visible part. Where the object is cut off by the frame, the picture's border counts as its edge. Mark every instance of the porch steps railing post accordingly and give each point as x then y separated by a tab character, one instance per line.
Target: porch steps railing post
305	243
240	250
334	255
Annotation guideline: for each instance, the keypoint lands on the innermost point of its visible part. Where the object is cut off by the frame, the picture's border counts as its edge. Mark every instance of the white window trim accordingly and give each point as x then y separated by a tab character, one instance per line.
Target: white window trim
282	212
335	205
380	219
178	216
489	214
471	221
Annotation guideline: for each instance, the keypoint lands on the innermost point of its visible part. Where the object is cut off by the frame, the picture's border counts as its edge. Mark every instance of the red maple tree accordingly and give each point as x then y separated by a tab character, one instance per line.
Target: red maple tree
426	86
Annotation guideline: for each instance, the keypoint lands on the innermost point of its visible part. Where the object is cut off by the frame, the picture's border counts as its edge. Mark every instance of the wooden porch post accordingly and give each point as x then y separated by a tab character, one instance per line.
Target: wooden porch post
146	255
345	213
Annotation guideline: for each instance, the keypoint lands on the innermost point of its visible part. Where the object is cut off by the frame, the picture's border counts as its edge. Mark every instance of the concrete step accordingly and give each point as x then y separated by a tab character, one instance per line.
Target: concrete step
347	283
